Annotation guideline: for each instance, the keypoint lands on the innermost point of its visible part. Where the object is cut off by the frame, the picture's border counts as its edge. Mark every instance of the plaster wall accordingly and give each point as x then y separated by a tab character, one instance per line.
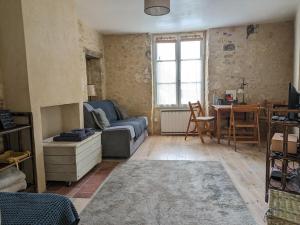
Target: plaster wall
55	76
58	118
264	59
41	64
52	122
13	64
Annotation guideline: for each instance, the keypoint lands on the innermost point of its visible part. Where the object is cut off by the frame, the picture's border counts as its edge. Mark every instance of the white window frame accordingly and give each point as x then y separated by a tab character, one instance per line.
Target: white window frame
178	69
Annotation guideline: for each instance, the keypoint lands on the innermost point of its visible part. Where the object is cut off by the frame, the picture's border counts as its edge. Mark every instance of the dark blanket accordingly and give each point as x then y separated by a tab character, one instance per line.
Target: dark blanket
139	125
36	209
75	135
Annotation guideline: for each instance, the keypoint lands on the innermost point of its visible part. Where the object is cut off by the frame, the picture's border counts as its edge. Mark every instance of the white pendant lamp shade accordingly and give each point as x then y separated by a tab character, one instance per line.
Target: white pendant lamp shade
157	7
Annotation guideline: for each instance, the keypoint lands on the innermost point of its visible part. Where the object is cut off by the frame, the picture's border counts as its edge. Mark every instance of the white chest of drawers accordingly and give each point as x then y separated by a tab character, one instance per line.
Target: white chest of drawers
70	161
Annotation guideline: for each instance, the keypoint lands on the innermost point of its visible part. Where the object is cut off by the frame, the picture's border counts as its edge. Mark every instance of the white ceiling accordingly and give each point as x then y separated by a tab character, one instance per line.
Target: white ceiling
127	16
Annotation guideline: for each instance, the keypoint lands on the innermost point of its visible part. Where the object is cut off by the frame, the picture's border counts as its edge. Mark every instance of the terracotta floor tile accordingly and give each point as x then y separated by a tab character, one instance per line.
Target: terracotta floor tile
86	187
105	171
96	179
83	195
89	188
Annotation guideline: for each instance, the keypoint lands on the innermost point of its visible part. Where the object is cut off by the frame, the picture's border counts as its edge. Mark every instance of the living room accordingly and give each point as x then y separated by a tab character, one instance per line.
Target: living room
141	112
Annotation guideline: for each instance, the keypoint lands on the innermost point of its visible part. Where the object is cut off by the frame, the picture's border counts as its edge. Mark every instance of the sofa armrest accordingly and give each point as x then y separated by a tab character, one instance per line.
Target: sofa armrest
146	119
116	142
121	129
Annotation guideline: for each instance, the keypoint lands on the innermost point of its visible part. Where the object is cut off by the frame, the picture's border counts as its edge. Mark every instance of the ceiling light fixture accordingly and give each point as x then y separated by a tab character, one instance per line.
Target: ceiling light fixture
157	7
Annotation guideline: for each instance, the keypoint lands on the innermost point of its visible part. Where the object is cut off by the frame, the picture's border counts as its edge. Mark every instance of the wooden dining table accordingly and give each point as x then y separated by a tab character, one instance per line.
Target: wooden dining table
218	111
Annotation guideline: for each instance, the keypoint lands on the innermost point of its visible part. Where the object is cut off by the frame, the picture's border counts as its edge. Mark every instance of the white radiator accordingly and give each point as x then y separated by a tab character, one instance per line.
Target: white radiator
174	121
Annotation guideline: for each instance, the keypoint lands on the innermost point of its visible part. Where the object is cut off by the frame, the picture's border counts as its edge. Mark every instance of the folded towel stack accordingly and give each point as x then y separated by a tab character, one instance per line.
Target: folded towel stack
12	180
75	135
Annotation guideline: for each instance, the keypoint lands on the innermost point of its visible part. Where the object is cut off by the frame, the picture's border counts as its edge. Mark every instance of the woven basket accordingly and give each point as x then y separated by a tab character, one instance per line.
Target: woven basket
285	206
276	221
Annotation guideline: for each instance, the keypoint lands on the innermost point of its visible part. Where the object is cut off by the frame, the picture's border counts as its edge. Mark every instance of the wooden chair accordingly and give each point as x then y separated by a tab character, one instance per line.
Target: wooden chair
242	124
202	122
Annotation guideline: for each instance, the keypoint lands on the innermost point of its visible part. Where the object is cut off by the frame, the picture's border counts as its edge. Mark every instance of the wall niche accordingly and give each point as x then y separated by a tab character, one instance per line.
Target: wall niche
59	118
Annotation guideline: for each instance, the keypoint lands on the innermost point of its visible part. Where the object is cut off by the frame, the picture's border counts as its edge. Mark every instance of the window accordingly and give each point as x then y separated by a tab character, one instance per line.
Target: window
178	63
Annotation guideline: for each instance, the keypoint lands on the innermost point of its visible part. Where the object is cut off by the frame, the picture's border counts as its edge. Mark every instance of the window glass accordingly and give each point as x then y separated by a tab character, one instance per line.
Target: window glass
166	72
186	83
190	50
190	92
165	51
191	70
166	94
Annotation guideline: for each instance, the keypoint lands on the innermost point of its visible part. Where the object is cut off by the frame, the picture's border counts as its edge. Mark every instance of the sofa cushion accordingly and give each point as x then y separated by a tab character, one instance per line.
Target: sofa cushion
89	121
121	112
108	107
100	118
138	123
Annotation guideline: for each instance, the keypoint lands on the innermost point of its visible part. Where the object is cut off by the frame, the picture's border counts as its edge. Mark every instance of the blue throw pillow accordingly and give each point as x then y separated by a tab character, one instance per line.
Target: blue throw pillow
100	118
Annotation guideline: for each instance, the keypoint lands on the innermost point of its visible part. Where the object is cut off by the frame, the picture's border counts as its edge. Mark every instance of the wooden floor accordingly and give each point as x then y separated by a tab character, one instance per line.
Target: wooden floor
246	167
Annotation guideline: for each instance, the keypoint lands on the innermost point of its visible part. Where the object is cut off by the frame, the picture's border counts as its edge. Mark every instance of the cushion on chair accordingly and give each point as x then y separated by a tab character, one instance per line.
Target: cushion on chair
205	118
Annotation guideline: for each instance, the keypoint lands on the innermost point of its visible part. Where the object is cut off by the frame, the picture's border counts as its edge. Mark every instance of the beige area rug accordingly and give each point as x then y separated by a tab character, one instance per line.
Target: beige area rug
167	193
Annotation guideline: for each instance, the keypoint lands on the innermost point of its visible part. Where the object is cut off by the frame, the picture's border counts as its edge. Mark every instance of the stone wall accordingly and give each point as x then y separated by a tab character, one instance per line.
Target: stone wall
264	57
128	72
92	41
2	97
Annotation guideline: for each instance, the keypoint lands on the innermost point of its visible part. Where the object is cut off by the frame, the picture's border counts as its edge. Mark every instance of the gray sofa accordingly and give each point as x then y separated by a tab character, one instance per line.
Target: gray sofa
124	136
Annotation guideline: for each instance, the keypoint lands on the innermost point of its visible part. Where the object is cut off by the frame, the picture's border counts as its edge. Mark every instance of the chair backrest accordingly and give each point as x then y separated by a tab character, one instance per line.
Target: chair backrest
250	108
196	109
269	105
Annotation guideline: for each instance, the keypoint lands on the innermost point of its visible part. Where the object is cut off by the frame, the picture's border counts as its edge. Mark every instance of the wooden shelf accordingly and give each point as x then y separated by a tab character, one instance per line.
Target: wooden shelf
291	157
285	123
15	129
283	157
4	166
18	130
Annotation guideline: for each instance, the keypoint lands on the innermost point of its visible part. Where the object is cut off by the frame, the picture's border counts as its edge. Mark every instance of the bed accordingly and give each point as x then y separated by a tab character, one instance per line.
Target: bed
37	209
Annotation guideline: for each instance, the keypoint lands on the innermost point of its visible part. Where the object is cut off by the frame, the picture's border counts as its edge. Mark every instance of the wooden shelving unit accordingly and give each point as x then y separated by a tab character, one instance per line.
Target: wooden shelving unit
4	166
283	157
18	129
15	129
